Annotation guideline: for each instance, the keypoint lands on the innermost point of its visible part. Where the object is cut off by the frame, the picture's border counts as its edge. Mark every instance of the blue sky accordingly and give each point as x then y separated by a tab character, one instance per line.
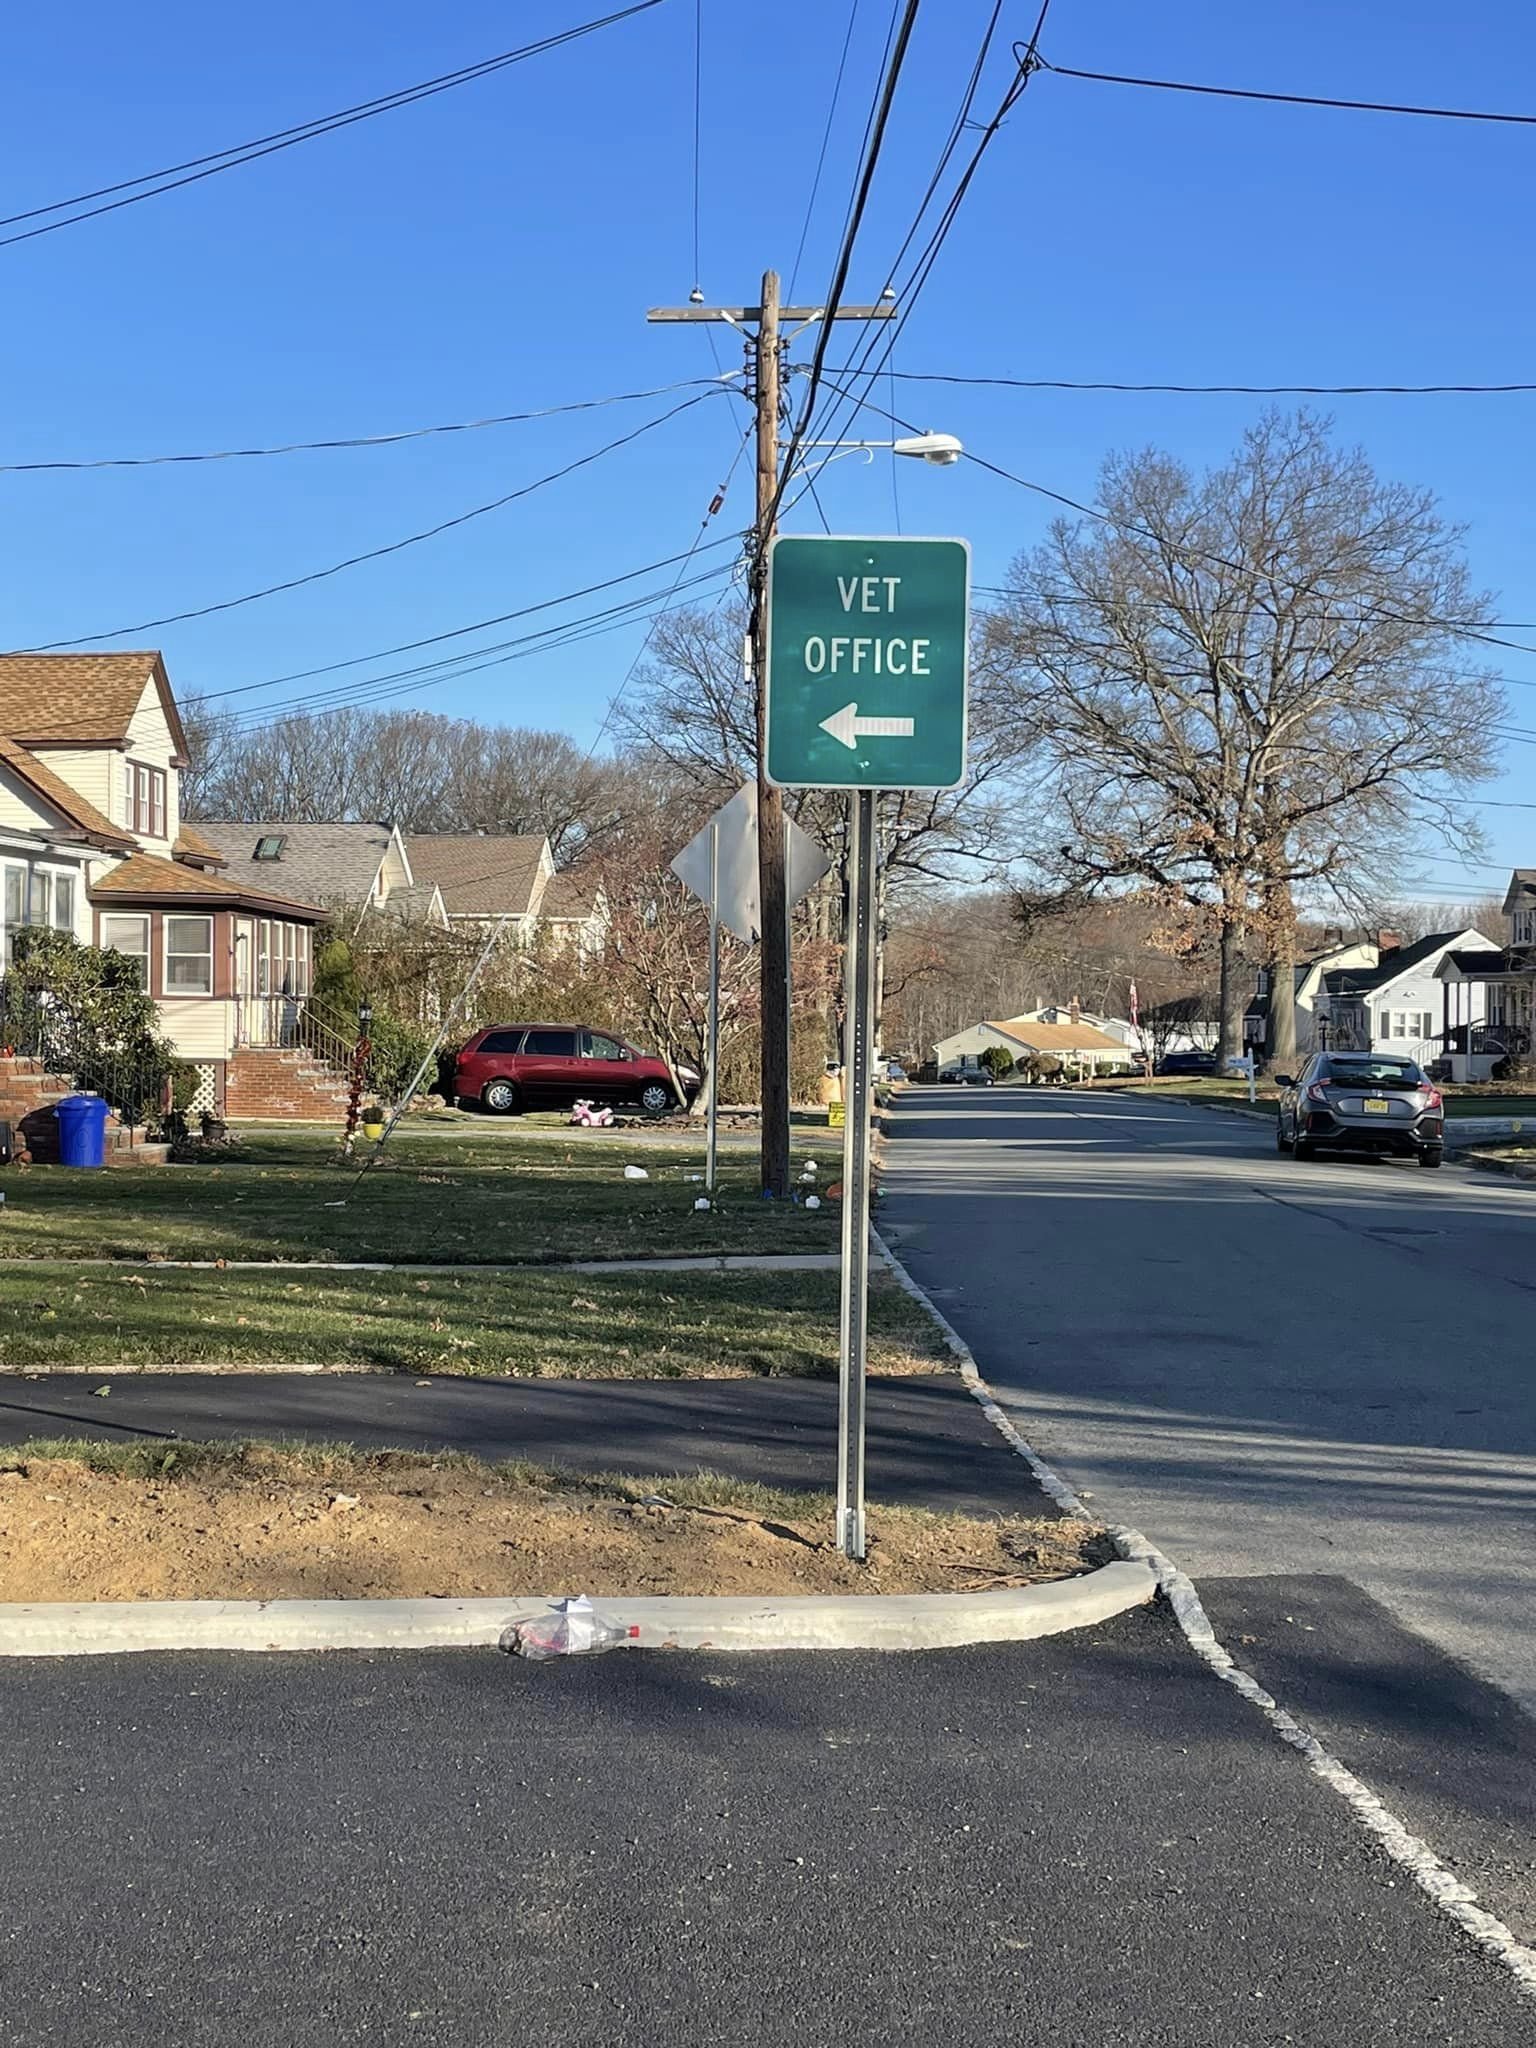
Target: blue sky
495	249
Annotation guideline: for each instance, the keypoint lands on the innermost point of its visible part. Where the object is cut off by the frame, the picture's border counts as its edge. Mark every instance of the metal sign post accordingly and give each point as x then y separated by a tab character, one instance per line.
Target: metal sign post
866	689
858	1083
711	1142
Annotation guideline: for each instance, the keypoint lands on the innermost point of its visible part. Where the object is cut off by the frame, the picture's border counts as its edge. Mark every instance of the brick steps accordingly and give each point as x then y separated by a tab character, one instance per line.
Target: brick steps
282	1084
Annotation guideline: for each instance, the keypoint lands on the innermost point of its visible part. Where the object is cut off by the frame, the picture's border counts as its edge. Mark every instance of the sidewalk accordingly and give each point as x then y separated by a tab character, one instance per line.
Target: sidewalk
929	1444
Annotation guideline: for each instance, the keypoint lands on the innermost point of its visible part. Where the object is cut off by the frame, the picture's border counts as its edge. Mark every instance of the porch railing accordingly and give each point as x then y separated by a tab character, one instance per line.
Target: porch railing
294	1023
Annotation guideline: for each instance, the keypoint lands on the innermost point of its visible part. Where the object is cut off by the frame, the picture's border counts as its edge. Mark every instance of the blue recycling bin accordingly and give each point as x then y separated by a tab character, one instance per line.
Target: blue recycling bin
82	1130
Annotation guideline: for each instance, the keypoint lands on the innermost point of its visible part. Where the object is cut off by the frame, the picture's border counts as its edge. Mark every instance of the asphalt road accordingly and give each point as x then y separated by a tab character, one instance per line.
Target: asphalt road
1325	1368
1064	1844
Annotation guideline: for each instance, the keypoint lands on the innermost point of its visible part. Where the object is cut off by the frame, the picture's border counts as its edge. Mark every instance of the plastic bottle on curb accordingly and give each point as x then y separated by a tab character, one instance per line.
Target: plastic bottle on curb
570	1629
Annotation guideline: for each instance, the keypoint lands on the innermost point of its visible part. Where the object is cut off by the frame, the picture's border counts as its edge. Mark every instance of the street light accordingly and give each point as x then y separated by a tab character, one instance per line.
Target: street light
941	449
364	1017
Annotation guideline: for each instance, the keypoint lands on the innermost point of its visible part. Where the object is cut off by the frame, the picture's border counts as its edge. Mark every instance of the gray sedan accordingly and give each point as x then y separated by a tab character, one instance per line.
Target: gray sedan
1361	1102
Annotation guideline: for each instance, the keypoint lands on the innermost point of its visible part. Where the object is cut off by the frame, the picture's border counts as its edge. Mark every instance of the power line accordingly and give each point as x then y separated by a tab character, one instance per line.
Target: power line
1293	99
1220	390
505	419
711	509
1309	618
698	112
262	712
1459	628
474	661
821	154
456	632
375	554
912	287
195	169
855	220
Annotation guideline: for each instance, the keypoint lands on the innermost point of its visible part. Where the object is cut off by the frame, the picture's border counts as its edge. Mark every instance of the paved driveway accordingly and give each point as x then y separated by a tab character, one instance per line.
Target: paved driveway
1268	1367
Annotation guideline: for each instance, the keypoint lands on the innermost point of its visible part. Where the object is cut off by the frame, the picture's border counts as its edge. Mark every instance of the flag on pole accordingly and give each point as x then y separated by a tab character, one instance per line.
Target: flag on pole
1135	1009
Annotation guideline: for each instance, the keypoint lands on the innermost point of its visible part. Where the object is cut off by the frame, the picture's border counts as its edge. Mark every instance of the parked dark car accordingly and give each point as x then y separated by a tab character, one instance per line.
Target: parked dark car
1186	1063
968	1077
510	1067
1361	1102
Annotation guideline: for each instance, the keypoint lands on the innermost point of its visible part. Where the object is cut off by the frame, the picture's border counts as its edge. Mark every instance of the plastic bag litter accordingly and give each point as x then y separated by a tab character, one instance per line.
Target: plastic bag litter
813	1201
636	1173
701	1202
572	1628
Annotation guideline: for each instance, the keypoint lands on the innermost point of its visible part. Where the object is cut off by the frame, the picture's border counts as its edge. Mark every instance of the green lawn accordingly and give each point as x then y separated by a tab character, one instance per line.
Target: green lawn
454	1192
541	1324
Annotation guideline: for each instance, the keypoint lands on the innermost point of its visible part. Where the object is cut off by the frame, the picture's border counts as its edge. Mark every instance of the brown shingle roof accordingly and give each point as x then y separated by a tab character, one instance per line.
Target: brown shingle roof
480	874
145	876
81	699
1057	1037
92	824
568	896
191	845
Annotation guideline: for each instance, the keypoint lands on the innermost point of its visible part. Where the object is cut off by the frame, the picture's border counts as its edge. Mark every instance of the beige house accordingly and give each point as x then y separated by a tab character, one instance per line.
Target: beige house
92	842
1080	1047
484	877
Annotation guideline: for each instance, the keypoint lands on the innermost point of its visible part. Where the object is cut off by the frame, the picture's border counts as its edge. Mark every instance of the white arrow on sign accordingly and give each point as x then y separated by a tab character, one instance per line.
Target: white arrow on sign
846	726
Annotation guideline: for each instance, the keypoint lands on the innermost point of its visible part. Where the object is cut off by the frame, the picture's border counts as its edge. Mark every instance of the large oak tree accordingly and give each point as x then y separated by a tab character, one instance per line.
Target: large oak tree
1245	684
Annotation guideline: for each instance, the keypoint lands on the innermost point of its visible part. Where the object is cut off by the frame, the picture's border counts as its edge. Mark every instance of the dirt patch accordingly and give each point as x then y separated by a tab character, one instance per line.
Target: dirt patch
255	1523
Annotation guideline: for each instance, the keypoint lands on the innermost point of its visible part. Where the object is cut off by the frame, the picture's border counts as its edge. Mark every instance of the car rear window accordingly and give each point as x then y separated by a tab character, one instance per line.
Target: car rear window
560	1044
1374	1074
500	1041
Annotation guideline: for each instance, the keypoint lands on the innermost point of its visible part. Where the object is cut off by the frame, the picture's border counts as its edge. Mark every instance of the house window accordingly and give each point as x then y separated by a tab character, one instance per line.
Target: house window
1411	1024
270	846
130	937
264	957
146	800
189	956
53	899
1524	927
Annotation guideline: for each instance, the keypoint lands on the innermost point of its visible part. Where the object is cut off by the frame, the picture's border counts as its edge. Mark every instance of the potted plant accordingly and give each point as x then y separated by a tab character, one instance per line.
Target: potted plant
373	1122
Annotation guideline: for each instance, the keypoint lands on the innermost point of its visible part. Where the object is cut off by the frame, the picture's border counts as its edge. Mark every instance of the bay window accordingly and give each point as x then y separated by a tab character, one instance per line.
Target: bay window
189	956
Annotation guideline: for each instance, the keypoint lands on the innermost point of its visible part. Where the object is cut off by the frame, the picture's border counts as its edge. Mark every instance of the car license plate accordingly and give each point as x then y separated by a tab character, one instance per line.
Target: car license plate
1377	1105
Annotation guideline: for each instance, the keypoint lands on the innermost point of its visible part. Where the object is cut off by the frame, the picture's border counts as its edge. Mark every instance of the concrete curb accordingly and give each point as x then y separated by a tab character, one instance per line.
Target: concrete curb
1510	1169
918	1621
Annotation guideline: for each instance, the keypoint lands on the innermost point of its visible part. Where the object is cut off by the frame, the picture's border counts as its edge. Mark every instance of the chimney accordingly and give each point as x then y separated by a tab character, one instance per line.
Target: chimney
1388	942
1333	935
1075	1012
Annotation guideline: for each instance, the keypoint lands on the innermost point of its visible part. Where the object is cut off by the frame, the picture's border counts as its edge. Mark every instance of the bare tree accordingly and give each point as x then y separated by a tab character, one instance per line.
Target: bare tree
426	772
1243	683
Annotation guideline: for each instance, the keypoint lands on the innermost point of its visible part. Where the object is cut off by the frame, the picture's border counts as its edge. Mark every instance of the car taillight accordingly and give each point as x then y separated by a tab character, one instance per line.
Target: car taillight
1433	1099
1317	1092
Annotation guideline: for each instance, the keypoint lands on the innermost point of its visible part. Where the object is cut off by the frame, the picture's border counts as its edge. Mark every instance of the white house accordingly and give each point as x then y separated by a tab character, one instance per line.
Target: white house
91	842
1490	995
1398	1004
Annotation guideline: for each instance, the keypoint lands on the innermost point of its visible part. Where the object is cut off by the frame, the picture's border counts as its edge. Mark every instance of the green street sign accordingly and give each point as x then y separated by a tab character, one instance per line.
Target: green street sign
868	646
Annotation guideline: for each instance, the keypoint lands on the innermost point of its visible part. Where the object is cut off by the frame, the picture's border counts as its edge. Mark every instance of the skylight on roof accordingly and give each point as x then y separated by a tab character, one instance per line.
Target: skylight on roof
270	846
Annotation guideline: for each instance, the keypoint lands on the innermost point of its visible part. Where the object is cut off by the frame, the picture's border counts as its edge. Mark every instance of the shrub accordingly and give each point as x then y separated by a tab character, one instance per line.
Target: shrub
998	1061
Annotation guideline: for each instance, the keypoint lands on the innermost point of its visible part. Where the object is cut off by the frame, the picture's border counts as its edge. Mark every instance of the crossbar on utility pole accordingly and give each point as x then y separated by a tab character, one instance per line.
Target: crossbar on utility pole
773	962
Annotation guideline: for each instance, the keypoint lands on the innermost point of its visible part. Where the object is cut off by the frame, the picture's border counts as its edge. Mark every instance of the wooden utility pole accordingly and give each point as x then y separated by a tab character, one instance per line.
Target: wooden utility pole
766	356
773	958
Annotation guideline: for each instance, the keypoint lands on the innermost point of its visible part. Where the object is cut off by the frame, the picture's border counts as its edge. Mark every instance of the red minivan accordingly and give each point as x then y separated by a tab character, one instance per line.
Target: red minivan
508	1067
